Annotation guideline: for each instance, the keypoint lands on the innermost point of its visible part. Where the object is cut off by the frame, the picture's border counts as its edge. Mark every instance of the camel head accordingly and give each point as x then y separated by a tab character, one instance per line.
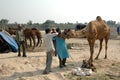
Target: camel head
76	34
69	33
64	35
98	18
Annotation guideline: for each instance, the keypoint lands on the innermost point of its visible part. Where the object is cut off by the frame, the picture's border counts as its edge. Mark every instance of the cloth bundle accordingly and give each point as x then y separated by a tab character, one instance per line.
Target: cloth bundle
82	71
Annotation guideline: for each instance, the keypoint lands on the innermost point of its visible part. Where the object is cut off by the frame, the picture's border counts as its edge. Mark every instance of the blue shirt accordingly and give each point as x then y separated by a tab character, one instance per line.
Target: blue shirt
61	47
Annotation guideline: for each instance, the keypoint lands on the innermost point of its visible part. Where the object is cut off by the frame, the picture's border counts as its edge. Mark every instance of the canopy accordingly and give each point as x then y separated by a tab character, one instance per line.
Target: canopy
11	42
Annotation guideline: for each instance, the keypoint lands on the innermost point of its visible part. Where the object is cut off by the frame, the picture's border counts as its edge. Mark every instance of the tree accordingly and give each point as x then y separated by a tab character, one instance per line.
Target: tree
3	23
111	23
29	22
48	24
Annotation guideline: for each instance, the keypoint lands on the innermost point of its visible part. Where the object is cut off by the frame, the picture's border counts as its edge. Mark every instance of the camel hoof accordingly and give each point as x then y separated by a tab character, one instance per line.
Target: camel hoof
105	58
19	55
33	48
24	56
96	58
90	60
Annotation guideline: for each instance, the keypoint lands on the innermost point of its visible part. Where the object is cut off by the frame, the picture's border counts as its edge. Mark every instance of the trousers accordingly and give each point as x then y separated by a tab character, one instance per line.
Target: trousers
48	61
21	44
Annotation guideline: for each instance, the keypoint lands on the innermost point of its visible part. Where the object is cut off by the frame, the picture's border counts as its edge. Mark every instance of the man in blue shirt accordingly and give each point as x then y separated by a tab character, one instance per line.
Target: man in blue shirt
61	49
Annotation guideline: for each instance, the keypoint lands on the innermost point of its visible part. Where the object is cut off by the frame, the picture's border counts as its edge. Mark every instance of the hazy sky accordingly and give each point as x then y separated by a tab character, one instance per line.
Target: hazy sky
61	11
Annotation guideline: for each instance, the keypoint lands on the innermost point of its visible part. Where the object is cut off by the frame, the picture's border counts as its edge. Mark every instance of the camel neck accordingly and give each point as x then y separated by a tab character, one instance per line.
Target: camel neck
79	34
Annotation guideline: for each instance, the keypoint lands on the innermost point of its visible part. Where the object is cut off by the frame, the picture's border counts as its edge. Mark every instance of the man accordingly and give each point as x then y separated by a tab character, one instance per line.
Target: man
20	38
61	49
49	50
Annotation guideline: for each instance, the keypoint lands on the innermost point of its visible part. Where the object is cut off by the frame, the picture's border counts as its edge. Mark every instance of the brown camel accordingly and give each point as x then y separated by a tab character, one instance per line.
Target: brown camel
38	35
27	33
31	34
96	29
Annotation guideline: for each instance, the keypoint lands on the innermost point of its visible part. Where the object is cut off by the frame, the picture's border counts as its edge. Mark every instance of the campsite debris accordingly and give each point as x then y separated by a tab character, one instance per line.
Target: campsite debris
82	71
86	69
89	65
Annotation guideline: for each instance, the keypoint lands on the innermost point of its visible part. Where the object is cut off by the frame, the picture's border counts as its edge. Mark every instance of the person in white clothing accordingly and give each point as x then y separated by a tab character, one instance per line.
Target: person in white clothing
49	49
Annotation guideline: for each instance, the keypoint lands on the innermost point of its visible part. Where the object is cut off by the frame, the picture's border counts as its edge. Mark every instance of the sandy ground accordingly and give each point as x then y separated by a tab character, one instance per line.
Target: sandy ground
31	67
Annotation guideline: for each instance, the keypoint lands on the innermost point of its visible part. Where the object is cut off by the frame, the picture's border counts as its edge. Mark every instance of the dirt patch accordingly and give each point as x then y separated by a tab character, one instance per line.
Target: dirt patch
31	67
106	70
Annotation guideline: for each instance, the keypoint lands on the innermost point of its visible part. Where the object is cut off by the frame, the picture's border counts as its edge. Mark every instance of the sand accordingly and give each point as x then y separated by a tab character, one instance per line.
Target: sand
31	67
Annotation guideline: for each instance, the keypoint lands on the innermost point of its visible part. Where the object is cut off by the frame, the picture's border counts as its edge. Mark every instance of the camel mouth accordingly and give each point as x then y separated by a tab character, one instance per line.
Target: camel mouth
83	32
69	35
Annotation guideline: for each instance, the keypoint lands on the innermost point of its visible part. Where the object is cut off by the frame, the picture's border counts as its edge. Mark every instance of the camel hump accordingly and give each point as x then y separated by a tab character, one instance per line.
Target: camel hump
98	18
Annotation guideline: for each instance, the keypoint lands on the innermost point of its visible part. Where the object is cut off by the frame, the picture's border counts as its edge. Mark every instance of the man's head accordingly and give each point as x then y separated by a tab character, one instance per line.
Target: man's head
58	30
53	30
19	26
48	30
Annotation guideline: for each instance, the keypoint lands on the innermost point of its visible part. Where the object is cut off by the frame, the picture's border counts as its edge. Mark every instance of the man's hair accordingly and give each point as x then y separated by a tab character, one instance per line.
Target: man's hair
47	30
20	26
58	30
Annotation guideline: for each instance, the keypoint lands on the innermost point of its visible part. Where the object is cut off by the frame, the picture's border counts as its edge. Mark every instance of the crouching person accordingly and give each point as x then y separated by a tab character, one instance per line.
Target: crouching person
20	38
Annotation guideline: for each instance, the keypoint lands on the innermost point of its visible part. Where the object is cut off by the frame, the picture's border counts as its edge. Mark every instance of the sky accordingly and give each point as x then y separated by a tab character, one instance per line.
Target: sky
61	11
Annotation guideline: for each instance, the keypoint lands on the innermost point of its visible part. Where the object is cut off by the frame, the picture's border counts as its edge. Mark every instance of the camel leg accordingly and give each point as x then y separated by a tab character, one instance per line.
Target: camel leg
26	42
101	41
106	42
91	44
34	42
38	41
30	42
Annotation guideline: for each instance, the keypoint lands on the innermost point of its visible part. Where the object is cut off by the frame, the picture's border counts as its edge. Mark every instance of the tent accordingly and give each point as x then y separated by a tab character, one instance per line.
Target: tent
7	43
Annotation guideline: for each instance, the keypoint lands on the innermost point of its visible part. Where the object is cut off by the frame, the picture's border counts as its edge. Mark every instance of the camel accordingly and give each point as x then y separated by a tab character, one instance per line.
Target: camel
38	35
31	34
27	33
96	29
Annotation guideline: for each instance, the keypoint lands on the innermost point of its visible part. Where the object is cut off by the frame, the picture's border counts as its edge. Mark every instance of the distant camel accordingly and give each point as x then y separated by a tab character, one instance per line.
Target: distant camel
96	29
31	34
27	33
38	35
